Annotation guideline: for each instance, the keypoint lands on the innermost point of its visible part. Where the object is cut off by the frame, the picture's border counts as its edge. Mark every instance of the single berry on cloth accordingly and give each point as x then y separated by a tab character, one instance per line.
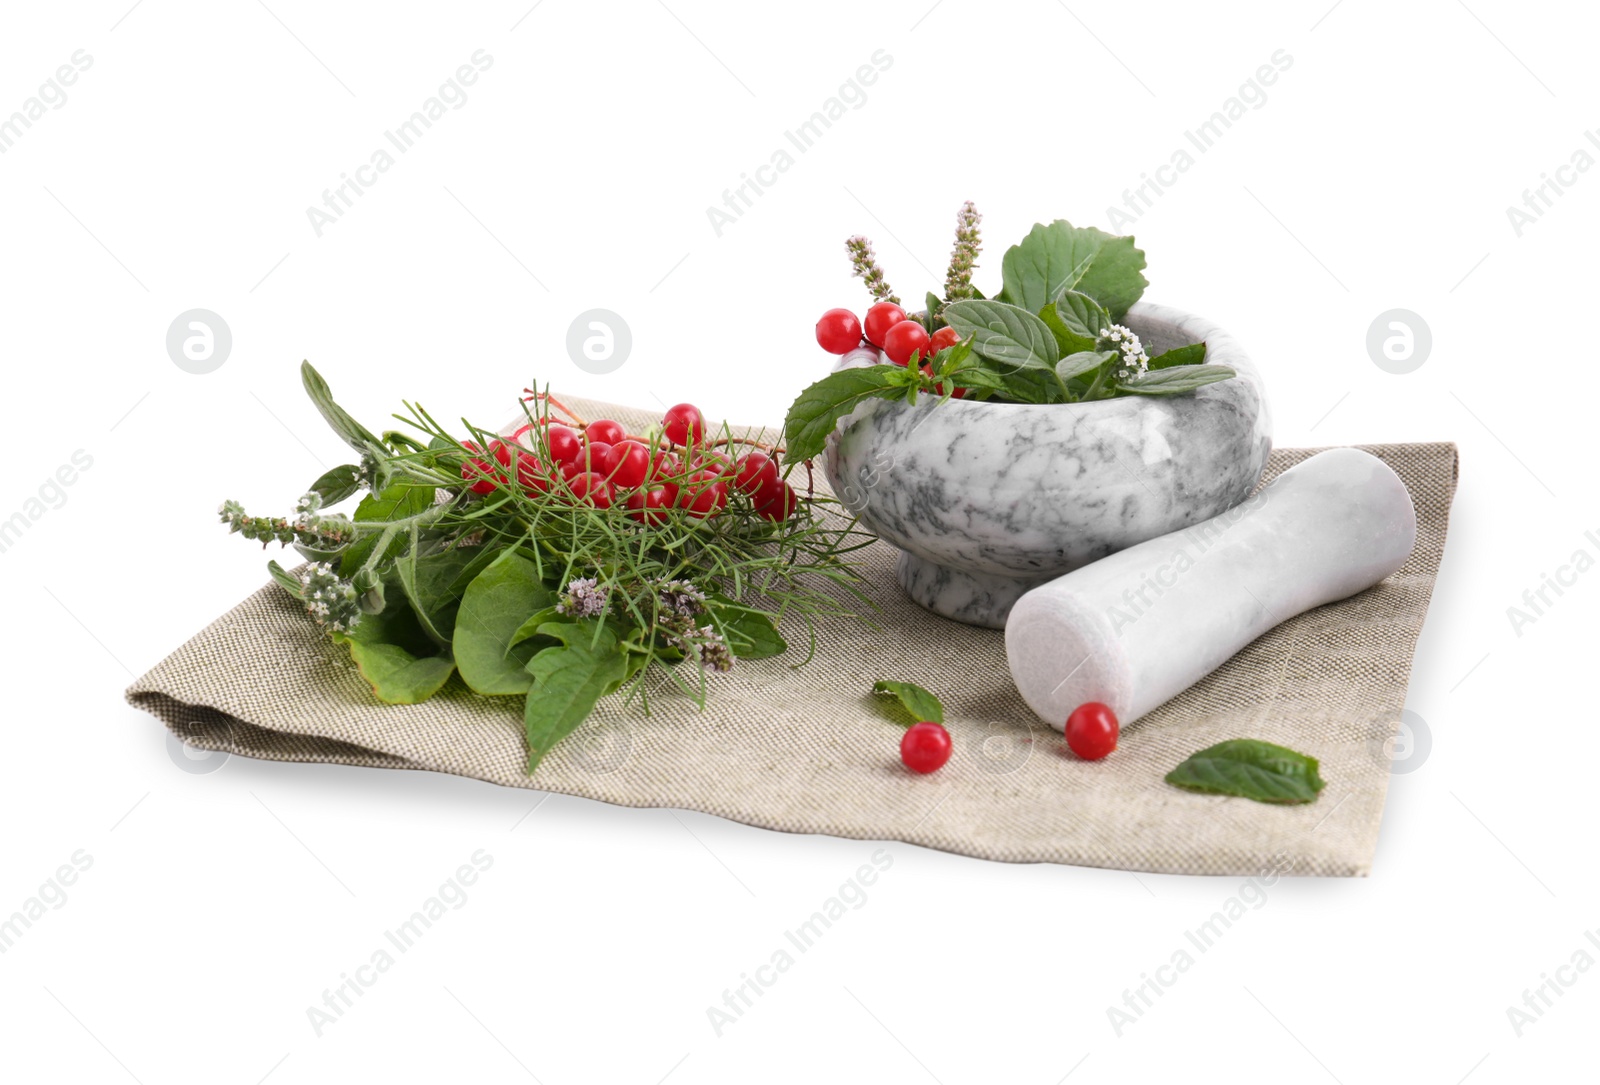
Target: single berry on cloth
925	747
1092	731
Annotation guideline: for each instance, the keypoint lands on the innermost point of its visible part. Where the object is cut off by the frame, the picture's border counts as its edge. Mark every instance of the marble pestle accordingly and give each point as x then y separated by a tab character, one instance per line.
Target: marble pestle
1137	628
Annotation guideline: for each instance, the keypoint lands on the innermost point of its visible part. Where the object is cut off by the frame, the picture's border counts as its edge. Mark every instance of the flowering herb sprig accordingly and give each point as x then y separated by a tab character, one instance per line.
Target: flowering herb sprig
865	264
497	572
1053	333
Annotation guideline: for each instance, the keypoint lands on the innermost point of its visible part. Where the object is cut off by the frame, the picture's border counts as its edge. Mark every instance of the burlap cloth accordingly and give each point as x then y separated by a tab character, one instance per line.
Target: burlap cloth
810	750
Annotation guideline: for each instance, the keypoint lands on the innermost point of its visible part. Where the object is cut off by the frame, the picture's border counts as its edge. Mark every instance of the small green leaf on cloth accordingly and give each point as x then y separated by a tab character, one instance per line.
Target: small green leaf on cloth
922	705
1250	769
396	657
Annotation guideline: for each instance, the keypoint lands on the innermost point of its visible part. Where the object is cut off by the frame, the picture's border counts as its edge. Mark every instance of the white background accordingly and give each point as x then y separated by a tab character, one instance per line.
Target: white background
220	905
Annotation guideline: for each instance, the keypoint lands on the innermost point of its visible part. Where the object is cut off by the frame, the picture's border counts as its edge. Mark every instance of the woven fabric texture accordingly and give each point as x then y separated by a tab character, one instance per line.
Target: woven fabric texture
808	750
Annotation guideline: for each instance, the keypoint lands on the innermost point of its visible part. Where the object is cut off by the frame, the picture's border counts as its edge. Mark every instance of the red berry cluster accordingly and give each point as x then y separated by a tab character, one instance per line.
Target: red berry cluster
889	329
602	465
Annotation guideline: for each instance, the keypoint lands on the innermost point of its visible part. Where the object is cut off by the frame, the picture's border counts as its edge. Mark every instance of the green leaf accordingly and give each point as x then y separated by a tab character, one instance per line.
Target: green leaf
1082	315
1067	340
1175	381
1004	334
395	656
916	700
530	628
1250	769
568	679
817	410
338	483
1034	386
1061	256
350	431
492	610
398	502
1076	365
750	633
1193	354
286	580
935	312
432	583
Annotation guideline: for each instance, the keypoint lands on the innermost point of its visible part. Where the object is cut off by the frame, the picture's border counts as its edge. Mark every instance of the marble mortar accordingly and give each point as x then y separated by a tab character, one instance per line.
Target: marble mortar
986	501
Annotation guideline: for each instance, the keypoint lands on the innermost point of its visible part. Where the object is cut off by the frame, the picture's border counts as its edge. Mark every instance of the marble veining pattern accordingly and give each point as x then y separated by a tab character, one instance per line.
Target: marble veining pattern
987	500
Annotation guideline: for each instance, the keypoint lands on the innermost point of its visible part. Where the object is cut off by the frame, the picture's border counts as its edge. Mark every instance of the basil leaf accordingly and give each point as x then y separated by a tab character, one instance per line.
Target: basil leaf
916	700
1062	256
530	628
1004	334
568	679
1076	365
338	483
1250	769
935	308
1034	386
350	431
1193	354
1176	380
395	656
492	611
817	410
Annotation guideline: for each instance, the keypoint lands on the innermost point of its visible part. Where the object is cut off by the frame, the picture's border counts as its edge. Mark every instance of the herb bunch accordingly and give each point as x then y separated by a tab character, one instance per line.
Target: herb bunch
528	591
1051	334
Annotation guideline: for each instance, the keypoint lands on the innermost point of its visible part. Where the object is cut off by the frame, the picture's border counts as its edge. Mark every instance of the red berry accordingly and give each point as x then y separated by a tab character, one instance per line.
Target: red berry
838	332
650	506
595	457
628	465
477	473
925	747
776	502
905	339
605	431
715	463
684	424
944	337
664	465
880	318
757	471
590	487
531	475
704	494
564	443
1092	731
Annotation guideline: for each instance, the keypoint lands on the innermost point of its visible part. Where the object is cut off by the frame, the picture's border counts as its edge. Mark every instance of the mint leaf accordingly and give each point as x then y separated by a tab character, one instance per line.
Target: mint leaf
286	581
350	431
430	583
750	633
1076	365
568	680
397	502
1082	315
1004	334
1193	354
1250	769
1069	341
395	656
916	700
492	611
337	484
1175	380
1061	256
817	410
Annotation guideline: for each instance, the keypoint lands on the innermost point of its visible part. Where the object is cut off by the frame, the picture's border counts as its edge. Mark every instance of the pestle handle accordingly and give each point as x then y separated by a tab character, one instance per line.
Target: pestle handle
1137	628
